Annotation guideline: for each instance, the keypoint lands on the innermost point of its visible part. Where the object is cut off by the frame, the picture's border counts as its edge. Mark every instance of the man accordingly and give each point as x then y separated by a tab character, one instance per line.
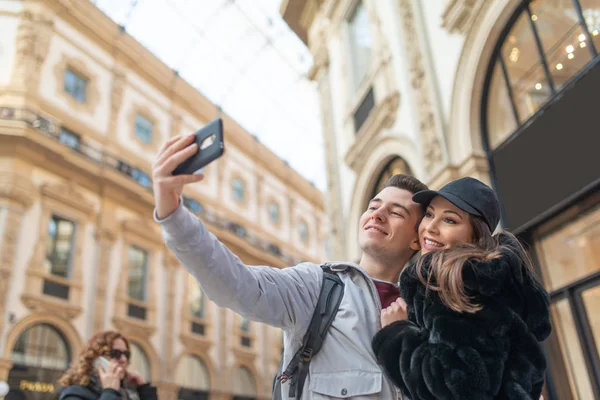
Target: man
286	298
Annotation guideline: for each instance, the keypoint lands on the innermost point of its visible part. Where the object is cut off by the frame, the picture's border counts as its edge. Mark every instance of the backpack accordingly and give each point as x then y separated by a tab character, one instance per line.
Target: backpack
330	297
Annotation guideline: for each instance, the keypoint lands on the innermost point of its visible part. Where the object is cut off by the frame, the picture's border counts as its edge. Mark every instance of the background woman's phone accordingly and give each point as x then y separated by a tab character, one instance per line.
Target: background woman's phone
211	146
101	362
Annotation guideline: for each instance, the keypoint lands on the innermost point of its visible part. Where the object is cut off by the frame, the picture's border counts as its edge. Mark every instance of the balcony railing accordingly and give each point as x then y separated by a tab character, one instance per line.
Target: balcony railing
103	158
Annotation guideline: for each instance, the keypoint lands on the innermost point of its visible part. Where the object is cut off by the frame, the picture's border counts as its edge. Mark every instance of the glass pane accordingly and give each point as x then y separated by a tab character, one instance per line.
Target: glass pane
143	128
245	325
193	374
591	14
563	40
570	347
41	346
196	298
501	121
273	212
360	43
61	234
303	231
572	251
238	190
525	71
591	300
138	260
139	361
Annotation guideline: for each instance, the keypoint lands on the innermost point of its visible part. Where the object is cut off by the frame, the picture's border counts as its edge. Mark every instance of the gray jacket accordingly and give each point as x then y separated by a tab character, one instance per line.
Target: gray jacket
346	366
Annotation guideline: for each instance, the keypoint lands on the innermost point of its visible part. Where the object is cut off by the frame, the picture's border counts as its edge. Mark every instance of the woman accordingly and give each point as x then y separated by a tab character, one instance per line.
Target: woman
474	314
109	379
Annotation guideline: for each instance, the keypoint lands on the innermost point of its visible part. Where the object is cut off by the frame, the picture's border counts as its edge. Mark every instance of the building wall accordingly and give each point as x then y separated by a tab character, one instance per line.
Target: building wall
41	176
431	72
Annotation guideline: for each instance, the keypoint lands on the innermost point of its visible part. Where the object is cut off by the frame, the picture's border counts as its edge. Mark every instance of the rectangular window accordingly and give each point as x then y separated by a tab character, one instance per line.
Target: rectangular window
76	85
360	44
59	246
143	129
138	274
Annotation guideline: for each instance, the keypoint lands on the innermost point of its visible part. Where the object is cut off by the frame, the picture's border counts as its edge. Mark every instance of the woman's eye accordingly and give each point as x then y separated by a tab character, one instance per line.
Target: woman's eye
450	221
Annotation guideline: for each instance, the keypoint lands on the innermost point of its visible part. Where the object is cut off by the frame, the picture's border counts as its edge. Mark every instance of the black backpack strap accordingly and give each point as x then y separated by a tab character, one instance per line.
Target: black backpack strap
330	297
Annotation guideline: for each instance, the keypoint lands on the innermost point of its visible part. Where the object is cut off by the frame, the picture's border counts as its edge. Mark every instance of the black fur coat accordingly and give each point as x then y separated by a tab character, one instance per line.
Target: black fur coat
494	353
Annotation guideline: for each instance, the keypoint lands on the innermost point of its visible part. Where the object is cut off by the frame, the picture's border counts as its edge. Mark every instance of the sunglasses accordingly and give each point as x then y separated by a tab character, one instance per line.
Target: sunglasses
116	354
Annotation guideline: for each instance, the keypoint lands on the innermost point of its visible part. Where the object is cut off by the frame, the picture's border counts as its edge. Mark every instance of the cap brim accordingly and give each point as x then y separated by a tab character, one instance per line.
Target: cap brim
424	197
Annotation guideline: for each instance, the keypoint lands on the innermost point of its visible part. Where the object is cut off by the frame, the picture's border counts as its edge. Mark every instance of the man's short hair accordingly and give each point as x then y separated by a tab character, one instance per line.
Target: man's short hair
411	184
406	182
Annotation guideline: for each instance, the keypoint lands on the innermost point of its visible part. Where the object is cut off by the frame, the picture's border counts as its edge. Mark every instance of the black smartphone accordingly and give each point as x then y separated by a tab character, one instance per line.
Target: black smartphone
211	145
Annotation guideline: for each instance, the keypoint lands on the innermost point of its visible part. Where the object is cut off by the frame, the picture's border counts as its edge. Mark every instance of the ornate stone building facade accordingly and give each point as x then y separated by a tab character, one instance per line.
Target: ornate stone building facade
83	110
501	90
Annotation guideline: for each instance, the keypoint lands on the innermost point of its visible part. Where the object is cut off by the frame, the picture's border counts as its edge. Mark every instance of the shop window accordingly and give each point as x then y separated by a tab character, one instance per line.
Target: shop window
244	384
40	356
193	379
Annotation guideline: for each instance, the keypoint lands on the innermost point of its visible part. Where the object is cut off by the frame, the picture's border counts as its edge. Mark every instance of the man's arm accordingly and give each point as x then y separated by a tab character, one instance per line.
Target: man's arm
284	298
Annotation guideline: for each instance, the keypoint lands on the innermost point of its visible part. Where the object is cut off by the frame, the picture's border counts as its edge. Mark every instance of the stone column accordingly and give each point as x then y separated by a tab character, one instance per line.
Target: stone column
171	264
106	238
17	194
320	74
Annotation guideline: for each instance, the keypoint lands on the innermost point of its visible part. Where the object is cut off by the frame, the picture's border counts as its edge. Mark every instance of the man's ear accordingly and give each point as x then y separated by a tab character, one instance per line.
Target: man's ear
414	244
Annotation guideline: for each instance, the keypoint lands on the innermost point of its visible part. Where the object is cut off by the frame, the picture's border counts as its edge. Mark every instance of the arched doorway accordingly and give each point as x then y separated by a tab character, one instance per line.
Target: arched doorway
395	166
193	379
40	356
244	384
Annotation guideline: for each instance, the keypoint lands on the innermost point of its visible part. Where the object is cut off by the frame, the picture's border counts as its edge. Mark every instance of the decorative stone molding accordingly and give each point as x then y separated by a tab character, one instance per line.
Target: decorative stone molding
17	190
119	81
5	367
157	138
63	199
62	325
78	66
50	306
459	15
32	45
167	390
430	128
381	117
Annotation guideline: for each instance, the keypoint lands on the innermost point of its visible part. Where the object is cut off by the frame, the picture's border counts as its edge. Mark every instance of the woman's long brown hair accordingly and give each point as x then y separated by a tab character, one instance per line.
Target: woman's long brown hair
99	345
445	272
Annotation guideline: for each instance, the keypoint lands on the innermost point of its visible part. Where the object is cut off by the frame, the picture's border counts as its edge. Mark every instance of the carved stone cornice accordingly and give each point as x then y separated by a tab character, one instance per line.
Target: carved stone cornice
143	229
68	195
195	343
32	45
129	326
320	61
381	117
47	305
243	355
18	189
459	15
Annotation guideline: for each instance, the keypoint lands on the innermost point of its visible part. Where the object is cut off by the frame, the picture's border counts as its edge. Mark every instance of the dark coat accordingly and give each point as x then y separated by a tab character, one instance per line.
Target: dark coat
76	392
494	353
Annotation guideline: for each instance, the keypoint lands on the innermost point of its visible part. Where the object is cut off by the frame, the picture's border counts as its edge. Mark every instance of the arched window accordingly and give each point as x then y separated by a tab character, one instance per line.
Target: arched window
395	166
193	379
542	48
40	356
139	361
244	384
